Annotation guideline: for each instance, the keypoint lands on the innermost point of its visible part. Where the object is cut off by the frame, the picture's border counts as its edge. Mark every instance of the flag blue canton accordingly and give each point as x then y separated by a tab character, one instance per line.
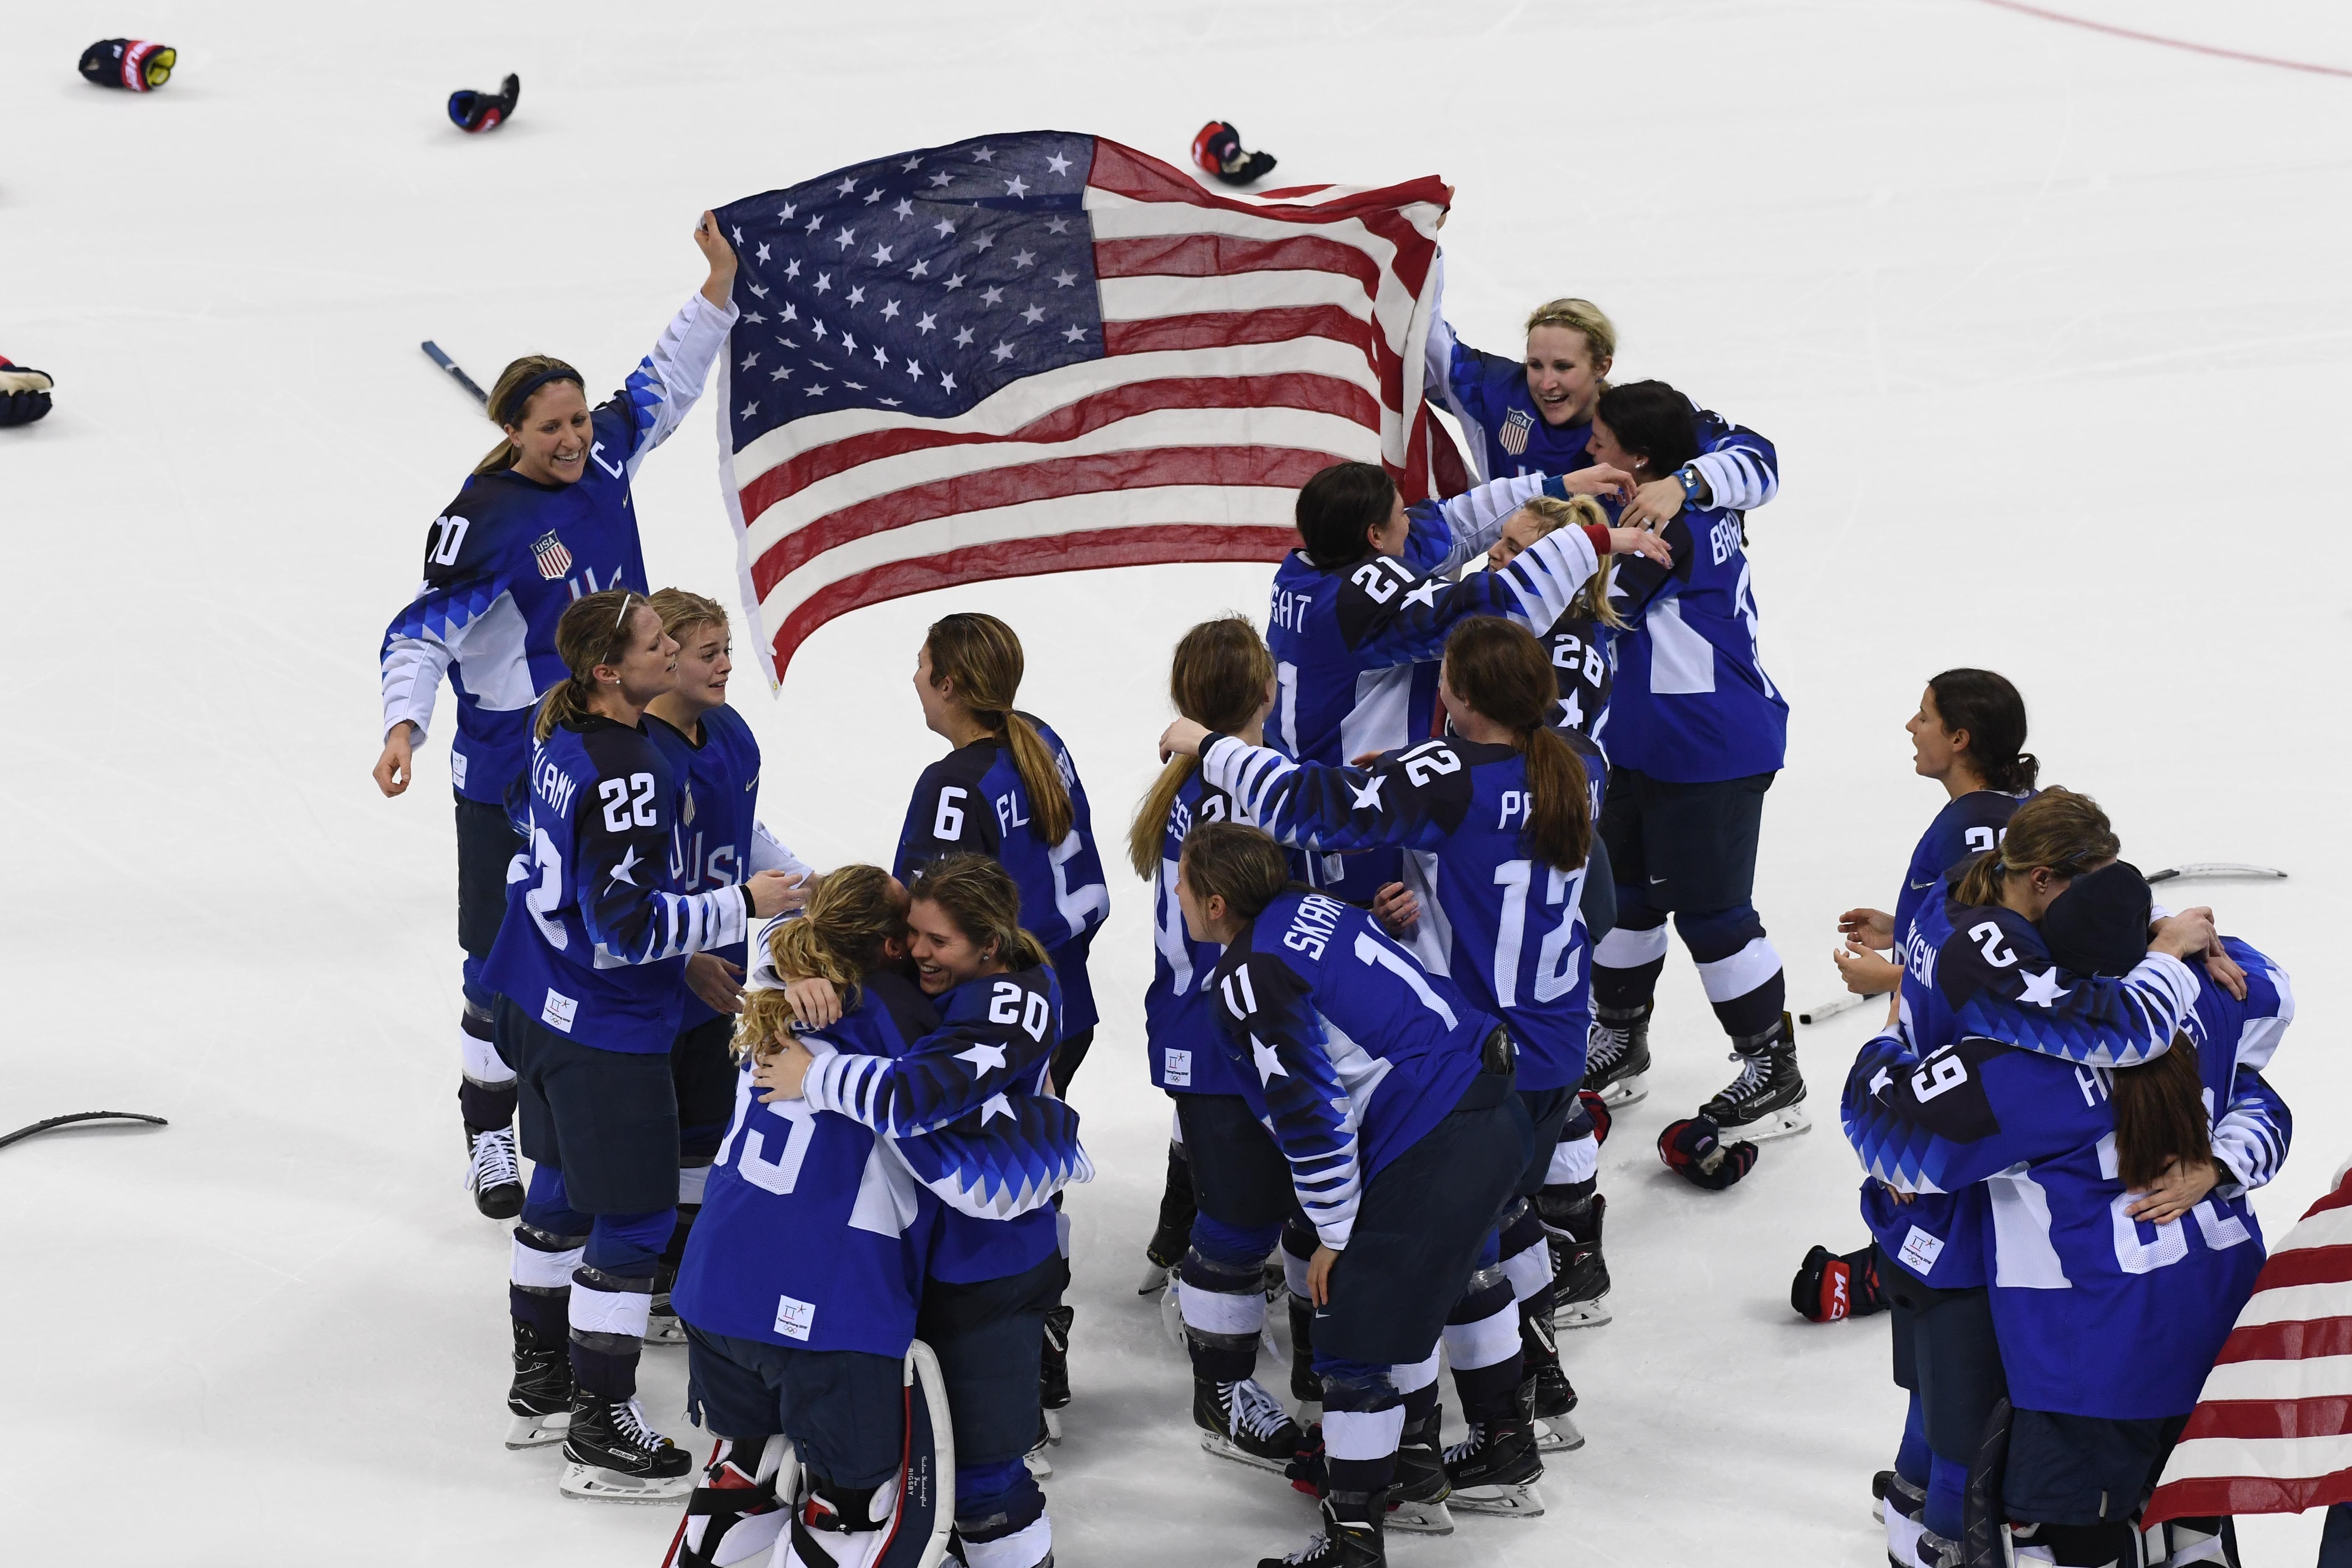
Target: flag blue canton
921	282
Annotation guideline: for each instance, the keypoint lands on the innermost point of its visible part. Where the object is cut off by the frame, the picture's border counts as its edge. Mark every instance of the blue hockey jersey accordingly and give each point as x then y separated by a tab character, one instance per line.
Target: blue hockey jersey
1578	650
811	1233
596	931
1488	394
505	559
2253	1129
967	1106
1349	1051
1966	825
2098	1313
720	838
1357	649
972	799
1508	929
1692	703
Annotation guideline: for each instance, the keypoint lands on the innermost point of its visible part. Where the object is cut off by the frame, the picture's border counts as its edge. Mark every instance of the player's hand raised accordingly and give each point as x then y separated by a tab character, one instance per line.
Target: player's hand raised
777	892
1601	480
713	243
1182	738
1642	542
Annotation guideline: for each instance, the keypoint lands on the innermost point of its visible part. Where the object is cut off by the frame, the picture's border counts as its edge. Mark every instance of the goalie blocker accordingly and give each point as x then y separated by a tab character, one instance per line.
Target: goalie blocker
757	1488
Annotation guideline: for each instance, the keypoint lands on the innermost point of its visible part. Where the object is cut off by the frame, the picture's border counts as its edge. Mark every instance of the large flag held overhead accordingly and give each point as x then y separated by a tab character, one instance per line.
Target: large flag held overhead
1044	351
2272	1428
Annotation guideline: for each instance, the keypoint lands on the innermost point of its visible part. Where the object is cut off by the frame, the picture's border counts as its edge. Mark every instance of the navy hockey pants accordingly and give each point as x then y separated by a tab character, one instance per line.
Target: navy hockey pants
844	1410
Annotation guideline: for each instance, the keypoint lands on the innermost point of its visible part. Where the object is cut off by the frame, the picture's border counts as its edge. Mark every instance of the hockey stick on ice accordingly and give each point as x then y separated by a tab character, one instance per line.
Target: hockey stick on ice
23	1133
433	350
1832	1008
2217	868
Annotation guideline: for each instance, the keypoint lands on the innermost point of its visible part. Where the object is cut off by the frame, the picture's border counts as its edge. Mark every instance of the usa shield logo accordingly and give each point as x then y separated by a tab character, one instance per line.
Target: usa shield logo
1515	431
554	560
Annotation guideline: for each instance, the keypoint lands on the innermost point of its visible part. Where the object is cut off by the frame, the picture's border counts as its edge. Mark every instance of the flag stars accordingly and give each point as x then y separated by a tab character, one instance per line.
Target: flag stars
848	342
1058	226
914	369
791	313
753	319
940	178
881	255
1017	187
890	309
846	238
749	409
984	242
792	269
964	337
1024	259
947	384
738	233
1074	334
919	269
848	186
758	293
823	282
955	281
1065	278
905	209
857	295
763	251
911	165
817	328
854	386
926	321
779	373
814	225
1002	350
789	208
749	361
1058	164
943	229
873	195
985	155
1032	315
888	401
817	391
881	356
991	296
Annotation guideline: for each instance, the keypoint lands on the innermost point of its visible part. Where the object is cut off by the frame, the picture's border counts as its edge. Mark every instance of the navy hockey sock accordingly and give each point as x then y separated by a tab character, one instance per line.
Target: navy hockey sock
1911	1459
612	1295
1947	1486
1363	1417
1225	1309
1739	967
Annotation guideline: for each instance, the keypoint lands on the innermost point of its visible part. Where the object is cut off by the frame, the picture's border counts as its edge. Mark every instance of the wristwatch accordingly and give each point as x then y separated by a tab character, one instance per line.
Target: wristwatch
1694	484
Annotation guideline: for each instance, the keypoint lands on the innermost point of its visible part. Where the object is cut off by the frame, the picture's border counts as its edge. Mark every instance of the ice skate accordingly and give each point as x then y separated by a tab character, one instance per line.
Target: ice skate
1546	1398
1581	1284
1417	1497
1495	1471
491	1173
1767	1100
1889	1484
616	1456
1036	1460
541	1394
736	1513
1343	1543
1054	1365
1617	1063
1243	1422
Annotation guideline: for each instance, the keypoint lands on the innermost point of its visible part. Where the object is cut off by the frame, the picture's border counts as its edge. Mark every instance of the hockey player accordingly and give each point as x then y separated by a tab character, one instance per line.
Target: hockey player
1969	735
2103	1336
1367	599
712	755
587	978
799	1282
545	518
1576	643
1234	1177
1496	820
1696	732
1391	1096
1534	415
996	1268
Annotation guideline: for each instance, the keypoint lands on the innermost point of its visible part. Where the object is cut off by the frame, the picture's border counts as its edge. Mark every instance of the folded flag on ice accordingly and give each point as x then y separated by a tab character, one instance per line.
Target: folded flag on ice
1044	351
2272	1428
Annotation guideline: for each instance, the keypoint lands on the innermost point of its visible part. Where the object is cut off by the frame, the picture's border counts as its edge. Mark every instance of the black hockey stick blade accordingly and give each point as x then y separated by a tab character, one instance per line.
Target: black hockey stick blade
433	350
2218	870
23	1133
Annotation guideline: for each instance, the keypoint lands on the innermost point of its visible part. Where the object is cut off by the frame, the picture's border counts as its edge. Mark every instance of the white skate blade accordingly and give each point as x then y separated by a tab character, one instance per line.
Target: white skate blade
1506	1501
1052	1425
1420	1518
1786	1122
665	1329
1038	1464
538	1431
1581	1314
1155	1280
1557	1435
591	1483
1629	1090
1225	1447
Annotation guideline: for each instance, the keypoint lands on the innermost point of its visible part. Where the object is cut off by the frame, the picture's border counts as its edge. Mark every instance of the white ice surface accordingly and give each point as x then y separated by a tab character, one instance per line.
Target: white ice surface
2050	329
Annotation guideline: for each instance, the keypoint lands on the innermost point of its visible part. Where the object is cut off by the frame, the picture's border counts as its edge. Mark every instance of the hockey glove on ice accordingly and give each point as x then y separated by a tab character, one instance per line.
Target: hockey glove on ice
23	393
474	112
1694	1148
1830	1287
134	63
1218	149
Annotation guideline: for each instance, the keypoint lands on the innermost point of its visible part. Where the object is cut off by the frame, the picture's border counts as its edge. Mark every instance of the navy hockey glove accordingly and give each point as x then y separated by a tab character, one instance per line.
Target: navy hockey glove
1218	149
23	393
1830	1287
133	63
1597	1109
474	112
1695	1150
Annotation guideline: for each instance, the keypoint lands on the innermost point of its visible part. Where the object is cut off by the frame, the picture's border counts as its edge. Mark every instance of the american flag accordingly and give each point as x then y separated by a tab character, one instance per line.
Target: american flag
1044	351
2272	1428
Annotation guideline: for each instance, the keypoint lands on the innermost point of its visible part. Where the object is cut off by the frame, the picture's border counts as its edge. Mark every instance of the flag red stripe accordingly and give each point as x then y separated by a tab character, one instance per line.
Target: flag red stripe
1221	255
1127	172
2340	1198
2302	1340
1231	329
2205	1495
1316	394
2322	1416
1030	558
2305	1266
1281	467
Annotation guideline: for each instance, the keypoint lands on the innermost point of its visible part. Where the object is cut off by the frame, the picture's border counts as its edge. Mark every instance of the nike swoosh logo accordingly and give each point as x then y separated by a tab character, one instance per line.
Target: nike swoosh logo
1655	880
1922	887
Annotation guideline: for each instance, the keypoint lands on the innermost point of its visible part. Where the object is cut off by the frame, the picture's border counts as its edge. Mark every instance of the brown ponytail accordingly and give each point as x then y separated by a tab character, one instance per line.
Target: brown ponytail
594	630
2058	828
1235	861
852	914
1219	679
982	658
2160	1112
510	402
982	900
1500	670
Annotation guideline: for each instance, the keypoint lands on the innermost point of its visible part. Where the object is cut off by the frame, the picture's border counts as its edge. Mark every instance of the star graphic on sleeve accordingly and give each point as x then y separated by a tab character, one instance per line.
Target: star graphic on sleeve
2042	989
1065	278
1002	350
1016	186
1032	315
905	209
985	1057
996	1105
625	871
1426	595
964	337
1074	334
1269	1066
1058	164
1368	797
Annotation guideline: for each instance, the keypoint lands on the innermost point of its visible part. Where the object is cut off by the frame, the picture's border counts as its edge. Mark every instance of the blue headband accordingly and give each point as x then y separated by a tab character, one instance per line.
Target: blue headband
519	399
